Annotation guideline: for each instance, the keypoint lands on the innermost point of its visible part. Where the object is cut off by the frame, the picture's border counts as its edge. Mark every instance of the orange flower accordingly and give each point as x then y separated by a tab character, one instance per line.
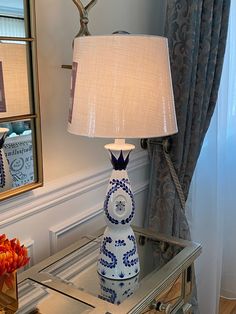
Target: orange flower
12	255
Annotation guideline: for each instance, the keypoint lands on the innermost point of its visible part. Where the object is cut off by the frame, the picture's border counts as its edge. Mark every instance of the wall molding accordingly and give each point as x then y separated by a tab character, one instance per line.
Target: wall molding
29	244
61	229
60	191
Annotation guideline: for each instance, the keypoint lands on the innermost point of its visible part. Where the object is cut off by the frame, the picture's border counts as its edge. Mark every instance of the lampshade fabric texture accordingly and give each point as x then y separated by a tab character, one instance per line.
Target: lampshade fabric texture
121	87
14	85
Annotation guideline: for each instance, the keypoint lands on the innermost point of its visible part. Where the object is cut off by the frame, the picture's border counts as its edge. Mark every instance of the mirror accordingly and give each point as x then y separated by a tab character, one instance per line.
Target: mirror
20	137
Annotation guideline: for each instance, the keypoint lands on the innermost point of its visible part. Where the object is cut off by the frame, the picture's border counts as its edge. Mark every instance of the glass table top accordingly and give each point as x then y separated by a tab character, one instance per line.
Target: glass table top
35	298
79	270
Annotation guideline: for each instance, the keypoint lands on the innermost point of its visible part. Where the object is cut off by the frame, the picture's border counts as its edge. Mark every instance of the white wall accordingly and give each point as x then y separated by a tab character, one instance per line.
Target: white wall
76	169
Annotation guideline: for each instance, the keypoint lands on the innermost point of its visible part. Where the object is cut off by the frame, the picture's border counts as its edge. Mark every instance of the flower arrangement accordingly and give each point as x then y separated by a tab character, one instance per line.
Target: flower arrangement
12	257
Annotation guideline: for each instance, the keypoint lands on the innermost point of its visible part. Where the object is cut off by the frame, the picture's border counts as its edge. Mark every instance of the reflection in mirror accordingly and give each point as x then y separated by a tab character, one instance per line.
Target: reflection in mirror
14	87
17	148
5	175
12	18
20	144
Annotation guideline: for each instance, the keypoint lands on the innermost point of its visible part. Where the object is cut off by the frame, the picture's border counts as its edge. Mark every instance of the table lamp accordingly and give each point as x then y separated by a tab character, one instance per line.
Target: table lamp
121	88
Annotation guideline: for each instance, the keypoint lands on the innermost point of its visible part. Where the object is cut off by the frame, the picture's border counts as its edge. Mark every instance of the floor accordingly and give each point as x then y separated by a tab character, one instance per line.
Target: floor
227	306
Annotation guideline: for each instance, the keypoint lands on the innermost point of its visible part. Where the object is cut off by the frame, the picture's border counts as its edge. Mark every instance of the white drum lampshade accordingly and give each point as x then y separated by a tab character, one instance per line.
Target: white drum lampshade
121	88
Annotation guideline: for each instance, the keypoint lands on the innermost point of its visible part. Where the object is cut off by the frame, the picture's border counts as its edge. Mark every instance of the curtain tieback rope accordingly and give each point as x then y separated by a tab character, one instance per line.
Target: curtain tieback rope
175	178
166	148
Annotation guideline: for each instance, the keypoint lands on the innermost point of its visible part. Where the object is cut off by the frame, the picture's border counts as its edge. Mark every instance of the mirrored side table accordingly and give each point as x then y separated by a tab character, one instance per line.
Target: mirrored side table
68	282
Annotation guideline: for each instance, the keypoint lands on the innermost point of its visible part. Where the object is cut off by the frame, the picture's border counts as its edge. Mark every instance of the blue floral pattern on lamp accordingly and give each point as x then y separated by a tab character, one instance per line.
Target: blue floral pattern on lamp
118	254
120	206
131	262
110	294
120	243
116	291
111	256
115	186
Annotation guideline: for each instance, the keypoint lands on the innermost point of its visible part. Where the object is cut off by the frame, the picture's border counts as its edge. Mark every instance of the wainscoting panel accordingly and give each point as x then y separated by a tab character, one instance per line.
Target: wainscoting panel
70	230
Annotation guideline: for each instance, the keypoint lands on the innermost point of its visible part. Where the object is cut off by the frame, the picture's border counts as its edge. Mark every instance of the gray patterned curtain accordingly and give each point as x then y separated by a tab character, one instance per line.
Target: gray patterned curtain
196	31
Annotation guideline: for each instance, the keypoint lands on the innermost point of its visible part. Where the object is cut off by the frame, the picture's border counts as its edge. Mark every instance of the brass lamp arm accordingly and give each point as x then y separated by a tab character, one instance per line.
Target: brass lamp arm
83	11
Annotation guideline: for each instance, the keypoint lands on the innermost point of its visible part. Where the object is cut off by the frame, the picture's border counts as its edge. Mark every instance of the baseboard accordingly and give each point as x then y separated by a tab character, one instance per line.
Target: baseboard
227	294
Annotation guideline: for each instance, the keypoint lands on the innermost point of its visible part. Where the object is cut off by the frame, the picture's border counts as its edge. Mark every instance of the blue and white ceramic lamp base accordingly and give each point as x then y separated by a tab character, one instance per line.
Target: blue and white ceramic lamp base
118	257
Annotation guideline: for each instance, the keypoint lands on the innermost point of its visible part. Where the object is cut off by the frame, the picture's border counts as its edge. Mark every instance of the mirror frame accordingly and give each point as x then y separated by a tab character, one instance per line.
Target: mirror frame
32	70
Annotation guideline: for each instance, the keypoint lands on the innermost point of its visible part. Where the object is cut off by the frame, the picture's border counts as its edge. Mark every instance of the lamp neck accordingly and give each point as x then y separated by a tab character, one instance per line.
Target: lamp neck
119	151
119	145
